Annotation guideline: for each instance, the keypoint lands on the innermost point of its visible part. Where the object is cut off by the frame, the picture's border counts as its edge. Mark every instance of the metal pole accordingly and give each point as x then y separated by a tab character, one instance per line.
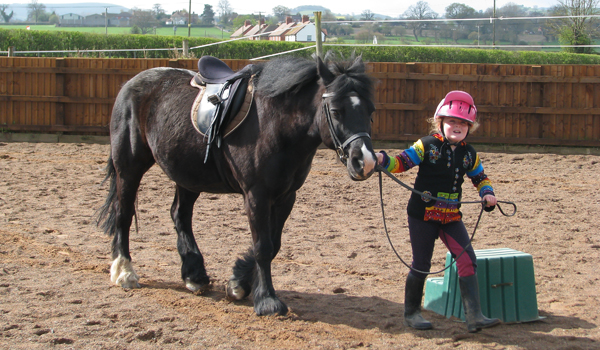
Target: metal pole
106	20
190	20
318	33
494	26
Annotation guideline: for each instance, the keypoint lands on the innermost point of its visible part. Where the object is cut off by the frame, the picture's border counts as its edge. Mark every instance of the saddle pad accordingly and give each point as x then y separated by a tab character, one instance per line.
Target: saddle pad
202	125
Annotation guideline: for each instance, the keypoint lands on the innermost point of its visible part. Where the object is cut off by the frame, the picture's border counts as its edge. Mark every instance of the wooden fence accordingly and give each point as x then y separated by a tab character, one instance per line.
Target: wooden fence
518	104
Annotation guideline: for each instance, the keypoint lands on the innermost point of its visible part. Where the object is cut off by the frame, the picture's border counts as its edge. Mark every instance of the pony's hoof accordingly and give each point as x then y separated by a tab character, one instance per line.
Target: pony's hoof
196	288
122	273
270	306
234	291
128	280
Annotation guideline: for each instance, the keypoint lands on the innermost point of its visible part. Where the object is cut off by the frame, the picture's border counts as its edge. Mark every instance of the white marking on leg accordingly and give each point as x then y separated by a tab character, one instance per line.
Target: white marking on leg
369	159
122	273
194	287
355	101
234	291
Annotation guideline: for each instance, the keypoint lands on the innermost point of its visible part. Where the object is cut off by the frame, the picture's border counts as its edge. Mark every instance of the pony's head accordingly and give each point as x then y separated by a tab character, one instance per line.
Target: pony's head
346	117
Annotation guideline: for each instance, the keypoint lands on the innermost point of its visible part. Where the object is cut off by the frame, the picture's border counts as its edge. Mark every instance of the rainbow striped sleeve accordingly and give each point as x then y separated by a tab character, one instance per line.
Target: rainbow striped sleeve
409	158
480	179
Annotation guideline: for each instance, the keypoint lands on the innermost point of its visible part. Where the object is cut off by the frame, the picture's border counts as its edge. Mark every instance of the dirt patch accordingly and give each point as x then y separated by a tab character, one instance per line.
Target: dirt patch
335	270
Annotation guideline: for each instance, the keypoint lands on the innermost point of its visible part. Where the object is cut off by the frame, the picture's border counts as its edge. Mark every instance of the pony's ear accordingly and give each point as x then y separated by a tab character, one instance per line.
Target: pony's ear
358	65
324	72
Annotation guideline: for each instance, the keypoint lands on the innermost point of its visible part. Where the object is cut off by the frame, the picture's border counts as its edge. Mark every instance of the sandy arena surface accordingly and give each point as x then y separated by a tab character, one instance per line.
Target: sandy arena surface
335	271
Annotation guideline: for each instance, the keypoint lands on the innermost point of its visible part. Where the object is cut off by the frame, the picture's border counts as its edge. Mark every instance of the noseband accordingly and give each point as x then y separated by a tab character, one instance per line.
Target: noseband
340	147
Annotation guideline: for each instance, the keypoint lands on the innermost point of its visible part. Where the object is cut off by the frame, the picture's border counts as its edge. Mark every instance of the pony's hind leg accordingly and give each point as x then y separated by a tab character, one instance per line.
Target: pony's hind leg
125	172
121	271
193	271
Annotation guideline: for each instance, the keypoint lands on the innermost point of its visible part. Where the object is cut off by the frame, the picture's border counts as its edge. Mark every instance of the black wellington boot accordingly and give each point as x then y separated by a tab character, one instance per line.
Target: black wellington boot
469	291
413	293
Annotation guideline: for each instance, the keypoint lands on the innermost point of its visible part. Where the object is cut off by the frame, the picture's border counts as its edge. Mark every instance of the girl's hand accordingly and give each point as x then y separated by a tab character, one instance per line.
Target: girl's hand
379	158
490	200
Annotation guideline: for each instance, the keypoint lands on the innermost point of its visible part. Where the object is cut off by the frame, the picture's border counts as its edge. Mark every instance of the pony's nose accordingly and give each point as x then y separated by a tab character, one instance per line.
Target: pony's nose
363	163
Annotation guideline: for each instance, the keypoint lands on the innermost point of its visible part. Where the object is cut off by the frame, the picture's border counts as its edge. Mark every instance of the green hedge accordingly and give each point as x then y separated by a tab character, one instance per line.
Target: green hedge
454	55
29	40
25	40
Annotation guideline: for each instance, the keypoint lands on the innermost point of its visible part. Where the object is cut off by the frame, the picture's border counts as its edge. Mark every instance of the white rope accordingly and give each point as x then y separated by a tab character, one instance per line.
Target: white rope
501	18
283	53
464	46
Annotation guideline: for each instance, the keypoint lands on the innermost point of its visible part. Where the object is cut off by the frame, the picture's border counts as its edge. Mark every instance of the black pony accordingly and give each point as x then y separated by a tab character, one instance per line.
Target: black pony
298	104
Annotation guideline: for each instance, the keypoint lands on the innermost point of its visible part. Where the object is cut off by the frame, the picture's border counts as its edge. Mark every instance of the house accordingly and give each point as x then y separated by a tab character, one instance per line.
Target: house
279	33
122	19
303	32
178	18
71	19
241	31
290	30
96	20
265	31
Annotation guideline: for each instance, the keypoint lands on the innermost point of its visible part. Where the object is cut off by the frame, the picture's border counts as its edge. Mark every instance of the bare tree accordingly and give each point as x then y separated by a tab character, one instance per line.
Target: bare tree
225	11
367	15
578	30
6	17
280	12
36	10
145	20
458	11
158	11
420	10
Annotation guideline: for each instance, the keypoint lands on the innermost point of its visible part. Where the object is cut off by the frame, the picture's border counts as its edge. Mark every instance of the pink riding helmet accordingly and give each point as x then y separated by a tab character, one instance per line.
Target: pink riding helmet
457	104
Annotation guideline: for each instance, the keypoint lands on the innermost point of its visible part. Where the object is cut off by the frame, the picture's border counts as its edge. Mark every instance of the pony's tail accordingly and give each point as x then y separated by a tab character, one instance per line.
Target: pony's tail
106	218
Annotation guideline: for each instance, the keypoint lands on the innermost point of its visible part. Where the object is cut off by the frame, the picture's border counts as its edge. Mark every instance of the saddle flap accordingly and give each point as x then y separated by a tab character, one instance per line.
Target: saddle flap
225	116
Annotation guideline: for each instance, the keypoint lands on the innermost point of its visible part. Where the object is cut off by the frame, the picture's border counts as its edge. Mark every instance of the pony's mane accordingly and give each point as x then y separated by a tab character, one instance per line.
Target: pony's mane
285	75
290	74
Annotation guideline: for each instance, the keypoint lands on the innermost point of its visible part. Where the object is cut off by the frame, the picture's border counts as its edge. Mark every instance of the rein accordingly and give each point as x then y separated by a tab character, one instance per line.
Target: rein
380	169
340	147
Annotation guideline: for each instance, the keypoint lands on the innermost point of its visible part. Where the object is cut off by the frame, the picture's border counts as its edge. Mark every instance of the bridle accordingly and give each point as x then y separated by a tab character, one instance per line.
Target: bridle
381	170
340	147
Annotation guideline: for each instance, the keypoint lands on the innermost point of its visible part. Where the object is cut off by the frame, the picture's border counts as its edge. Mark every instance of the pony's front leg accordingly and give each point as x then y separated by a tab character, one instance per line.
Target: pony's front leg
263	227
193	271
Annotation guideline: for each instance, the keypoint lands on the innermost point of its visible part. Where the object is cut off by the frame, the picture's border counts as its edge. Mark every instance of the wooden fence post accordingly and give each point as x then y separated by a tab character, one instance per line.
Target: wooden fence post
186	48
318	39
535	125
60	91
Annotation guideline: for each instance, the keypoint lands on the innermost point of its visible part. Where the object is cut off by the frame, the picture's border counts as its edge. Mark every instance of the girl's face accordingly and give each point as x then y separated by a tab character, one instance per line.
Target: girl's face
455	129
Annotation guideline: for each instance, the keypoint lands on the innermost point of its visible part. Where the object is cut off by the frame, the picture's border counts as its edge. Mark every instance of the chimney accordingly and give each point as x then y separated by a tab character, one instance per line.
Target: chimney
247	23
305	19
288	20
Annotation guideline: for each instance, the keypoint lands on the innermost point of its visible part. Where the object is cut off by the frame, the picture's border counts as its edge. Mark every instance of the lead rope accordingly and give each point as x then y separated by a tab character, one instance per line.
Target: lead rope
380	169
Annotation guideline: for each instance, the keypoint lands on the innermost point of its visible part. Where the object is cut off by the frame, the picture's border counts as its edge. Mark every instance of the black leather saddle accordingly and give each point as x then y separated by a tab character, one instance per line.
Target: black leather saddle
223	96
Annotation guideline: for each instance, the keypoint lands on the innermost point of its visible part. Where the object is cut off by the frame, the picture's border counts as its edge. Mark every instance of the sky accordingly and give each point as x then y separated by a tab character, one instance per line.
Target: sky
385	7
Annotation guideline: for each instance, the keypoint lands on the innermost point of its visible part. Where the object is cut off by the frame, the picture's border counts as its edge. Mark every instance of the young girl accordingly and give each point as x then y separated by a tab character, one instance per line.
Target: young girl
443	159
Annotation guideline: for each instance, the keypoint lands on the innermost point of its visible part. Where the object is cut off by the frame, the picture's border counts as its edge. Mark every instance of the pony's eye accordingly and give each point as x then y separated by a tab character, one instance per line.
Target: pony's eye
335	113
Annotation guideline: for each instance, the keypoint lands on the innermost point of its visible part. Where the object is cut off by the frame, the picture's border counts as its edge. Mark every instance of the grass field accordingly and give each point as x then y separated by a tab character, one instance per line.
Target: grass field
181	31
219	34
